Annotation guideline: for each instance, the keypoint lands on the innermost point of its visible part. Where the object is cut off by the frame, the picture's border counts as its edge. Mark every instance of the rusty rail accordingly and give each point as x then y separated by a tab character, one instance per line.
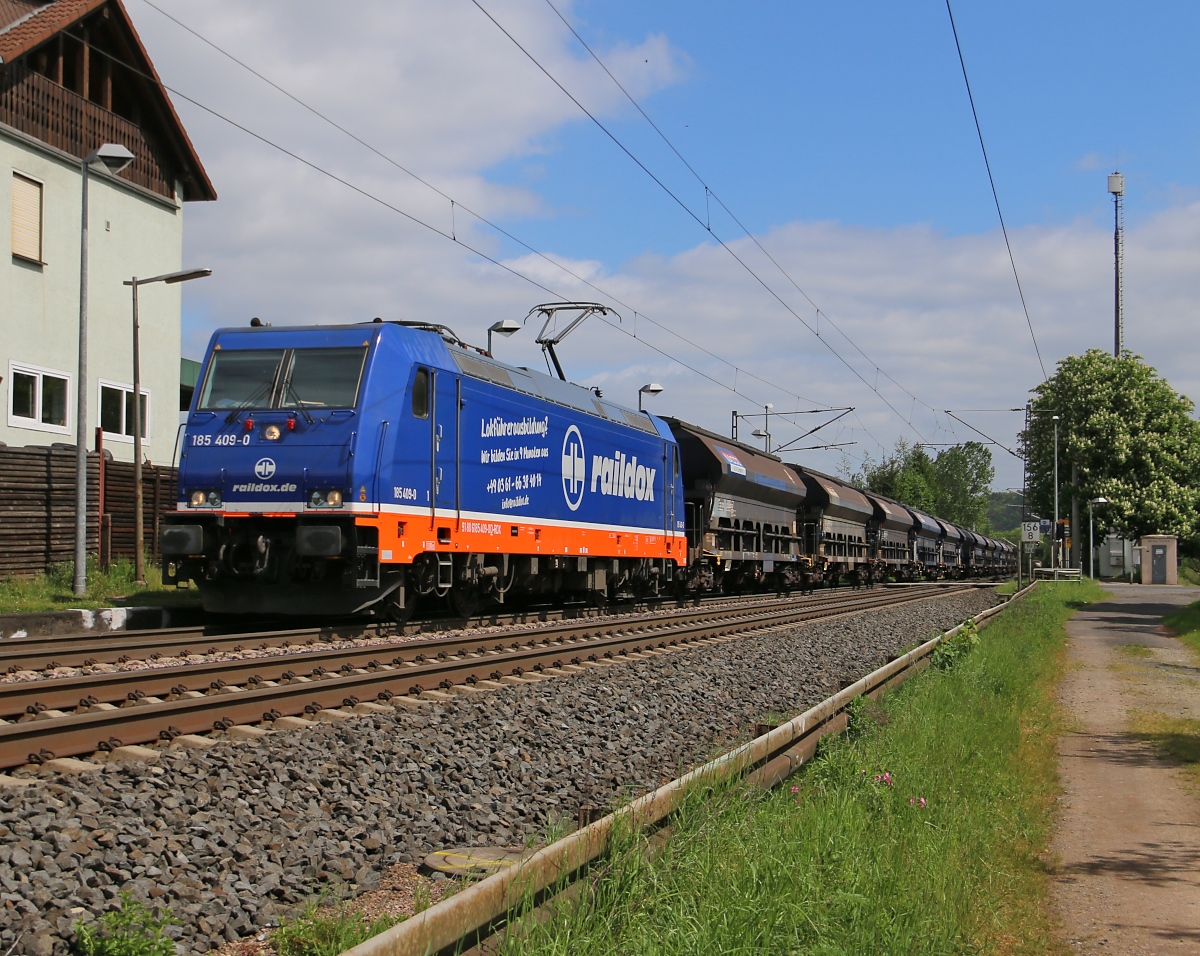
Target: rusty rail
776	754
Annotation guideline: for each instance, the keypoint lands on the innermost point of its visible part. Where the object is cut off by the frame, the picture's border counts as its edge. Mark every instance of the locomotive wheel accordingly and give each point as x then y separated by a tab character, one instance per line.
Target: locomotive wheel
400	613
464	600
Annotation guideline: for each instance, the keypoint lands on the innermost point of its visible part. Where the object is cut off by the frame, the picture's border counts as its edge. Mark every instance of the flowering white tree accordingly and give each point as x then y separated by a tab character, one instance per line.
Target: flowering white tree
1131	438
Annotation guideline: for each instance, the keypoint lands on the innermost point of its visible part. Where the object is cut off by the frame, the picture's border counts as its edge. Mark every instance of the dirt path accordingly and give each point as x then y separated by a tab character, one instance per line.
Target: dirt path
1127	854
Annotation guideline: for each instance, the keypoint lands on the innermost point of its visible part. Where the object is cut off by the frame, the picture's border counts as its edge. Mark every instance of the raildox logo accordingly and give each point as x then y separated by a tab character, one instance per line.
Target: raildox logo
574	468
264	468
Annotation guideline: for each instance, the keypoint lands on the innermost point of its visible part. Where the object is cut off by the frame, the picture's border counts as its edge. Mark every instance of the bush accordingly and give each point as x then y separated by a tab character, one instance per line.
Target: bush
953	649
132	929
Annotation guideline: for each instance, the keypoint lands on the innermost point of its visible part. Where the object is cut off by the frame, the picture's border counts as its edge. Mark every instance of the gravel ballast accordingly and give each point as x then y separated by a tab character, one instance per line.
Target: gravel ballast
235	836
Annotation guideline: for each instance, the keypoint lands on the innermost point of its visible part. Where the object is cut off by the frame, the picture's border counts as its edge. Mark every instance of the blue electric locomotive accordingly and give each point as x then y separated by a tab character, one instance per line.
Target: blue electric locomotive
327	469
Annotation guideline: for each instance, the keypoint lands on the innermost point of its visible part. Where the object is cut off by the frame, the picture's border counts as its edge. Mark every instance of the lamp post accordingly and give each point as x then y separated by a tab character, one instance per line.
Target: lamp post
170	278
505	327
1091	542
115	158
1056	552
650	388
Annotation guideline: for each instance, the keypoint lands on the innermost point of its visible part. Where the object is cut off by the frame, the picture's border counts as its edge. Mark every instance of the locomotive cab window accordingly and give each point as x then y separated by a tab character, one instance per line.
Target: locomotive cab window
420	394
323	378
283	378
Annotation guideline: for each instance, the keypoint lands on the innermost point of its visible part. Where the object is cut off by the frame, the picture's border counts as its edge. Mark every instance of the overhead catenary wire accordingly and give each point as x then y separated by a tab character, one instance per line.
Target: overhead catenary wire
995	195
710	193
457	204
690	212
441	232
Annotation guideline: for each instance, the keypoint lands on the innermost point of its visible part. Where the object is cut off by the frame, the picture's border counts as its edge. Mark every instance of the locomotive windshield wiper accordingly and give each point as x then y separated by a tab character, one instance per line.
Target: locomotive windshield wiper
249	402
290	390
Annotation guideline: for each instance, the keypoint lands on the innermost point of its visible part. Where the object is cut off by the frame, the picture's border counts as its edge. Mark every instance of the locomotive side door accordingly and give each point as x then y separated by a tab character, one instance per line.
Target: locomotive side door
671	471
446	407
413	446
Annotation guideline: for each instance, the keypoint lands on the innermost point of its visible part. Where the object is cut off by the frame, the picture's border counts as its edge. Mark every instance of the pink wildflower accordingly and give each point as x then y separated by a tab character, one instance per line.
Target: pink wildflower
795	790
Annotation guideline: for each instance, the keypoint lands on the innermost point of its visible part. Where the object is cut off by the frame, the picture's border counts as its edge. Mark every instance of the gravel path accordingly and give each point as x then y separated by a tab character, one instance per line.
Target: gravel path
234	836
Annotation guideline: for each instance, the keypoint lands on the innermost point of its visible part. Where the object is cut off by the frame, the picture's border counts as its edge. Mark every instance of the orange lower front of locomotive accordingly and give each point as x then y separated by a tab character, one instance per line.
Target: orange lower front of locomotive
402	537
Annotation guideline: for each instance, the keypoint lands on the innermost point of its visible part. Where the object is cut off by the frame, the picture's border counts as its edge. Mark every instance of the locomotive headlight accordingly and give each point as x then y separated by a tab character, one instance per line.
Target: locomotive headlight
331	498
334	498
272	433
205	499
316	499
198	499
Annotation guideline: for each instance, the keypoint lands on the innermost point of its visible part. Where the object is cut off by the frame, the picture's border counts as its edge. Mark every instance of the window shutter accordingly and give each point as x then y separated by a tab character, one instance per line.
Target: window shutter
26	218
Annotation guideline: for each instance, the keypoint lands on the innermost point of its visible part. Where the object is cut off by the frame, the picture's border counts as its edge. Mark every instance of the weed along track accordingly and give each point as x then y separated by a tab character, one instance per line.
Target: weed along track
234	835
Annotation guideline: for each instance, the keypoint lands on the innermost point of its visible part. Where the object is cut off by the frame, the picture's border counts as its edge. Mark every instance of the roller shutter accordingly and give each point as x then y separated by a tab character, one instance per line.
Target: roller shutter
26	218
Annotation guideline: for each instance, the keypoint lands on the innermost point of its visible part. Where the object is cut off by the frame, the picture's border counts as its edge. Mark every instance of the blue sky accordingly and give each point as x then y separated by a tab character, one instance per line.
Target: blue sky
858	113
840	134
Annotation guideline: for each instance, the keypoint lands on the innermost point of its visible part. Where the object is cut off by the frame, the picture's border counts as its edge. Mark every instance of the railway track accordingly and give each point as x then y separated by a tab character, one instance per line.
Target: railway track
160	703
122	647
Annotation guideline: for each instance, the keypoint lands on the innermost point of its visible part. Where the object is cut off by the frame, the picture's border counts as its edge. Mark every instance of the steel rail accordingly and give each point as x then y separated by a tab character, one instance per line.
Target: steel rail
481	909
77	650
84	690
83	733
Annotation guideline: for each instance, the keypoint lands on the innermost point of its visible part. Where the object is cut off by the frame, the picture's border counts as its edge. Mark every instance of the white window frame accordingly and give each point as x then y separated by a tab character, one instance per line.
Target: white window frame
36	423
126	390
41	225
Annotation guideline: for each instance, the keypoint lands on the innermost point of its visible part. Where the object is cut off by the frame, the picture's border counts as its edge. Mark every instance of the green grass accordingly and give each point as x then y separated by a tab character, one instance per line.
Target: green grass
1189	571
319	931
1186	624
941	855
1135	650
1008	587
115	587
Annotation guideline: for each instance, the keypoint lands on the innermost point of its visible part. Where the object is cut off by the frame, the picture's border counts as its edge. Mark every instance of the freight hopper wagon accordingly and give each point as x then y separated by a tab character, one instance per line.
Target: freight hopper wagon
889	539
926	544
836	517
741	509
975	553
327	470
952	545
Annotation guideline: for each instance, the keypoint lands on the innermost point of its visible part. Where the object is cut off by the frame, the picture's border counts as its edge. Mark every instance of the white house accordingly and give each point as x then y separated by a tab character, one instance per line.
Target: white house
74	75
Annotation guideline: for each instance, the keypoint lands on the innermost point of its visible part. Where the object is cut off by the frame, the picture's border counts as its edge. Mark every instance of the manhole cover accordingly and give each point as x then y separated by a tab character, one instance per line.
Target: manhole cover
475	861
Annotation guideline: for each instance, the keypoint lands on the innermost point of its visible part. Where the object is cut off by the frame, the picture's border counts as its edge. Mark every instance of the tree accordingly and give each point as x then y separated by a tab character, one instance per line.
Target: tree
954	486
964	476
1131	438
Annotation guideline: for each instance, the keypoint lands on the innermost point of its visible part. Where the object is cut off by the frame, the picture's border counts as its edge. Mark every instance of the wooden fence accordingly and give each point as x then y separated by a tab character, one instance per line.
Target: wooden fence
37	508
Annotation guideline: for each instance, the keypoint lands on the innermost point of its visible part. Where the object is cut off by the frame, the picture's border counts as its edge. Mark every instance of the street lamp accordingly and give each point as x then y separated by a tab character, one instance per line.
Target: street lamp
1056	552
115	158
651	388
1091	543
506	327
170	278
